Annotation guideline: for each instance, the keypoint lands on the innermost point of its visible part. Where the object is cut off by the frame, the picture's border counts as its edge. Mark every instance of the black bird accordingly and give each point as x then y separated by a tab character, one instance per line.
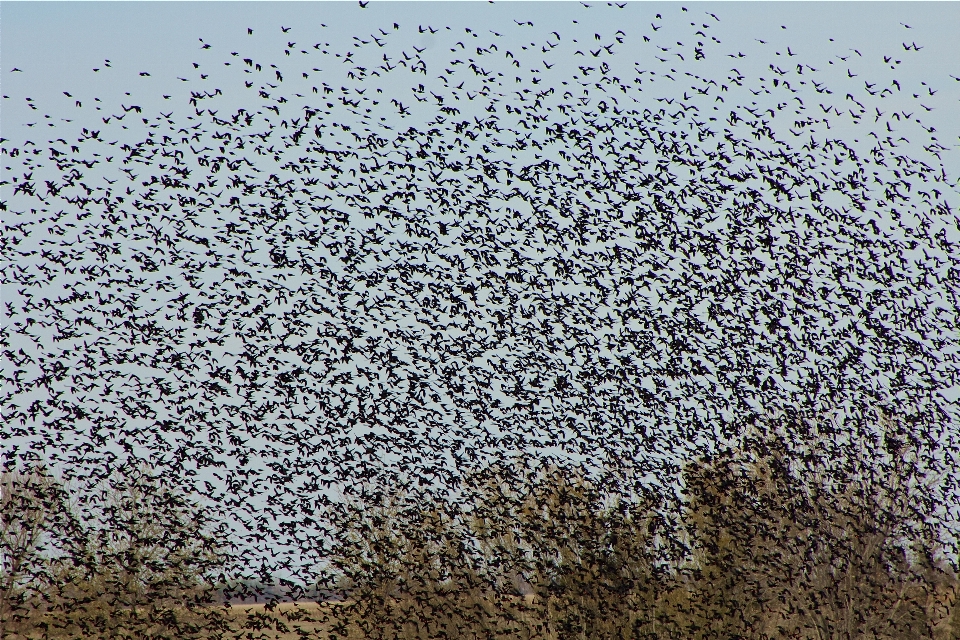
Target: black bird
581	337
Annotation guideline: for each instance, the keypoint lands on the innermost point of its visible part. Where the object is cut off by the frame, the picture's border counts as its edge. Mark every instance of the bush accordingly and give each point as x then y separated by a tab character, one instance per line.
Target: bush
134	560
818	525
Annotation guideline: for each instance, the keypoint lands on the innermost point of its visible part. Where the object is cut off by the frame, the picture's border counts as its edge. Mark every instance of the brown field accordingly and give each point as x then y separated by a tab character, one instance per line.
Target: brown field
300	620
296	620
284	621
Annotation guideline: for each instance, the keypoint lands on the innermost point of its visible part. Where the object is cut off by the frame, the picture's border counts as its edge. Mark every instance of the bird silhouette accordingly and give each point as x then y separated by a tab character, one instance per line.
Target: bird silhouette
551	350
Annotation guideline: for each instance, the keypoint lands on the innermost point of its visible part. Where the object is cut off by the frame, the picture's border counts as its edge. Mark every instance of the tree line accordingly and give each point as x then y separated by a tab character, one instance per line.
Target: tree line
801	529
127	557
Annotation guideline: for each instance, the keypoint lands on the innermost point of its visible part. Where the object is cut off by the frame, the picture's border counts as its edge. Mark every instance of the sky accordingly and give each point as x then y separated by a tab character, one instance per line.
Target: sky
97	65
57	44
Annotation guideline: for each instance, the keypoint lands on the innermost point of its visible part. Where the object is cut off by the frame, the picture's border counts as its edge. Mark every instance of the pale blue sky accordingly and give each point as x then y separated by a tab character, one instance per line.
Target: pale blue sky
57	44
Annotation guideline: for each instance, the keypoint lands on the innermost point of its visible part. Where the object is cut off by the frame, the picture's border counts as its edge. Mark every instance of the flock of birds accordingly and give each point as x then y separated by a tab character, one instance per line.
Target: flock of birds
323	268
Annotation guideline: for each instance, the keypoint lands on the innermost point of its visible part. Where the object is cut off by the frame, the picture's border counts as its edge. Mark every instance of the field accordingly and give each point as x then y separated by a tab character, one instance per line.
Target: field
515	618
297	620
286	621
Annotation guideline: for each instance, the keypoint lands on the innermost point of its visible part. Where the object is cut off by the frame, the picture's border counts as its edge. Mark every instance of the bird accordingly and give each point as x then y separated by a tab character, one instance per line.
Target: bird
551	330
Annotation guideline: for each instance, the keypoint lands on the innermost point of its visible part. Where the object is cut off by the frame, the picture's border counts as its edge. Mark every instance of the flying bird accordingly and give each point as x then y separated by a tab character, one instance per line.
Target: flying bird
591	336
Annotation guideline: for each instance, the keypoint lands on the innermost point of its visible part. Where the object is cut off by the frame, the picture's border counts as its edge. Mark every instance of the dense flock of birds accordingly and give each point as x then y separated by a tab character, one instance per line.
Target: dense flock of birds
322	271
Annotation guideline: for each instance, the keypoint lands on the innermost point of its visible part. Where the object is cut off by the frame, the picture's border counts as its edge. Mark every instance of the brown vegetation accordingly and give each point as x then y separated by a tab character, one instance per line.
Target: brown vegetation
136	565
787	536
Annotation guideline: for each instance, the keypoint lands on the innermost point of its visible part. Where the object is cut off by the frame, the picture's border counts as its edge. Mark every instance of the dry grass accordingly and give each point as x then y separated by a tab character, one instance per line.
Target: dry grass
298	620
282	621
